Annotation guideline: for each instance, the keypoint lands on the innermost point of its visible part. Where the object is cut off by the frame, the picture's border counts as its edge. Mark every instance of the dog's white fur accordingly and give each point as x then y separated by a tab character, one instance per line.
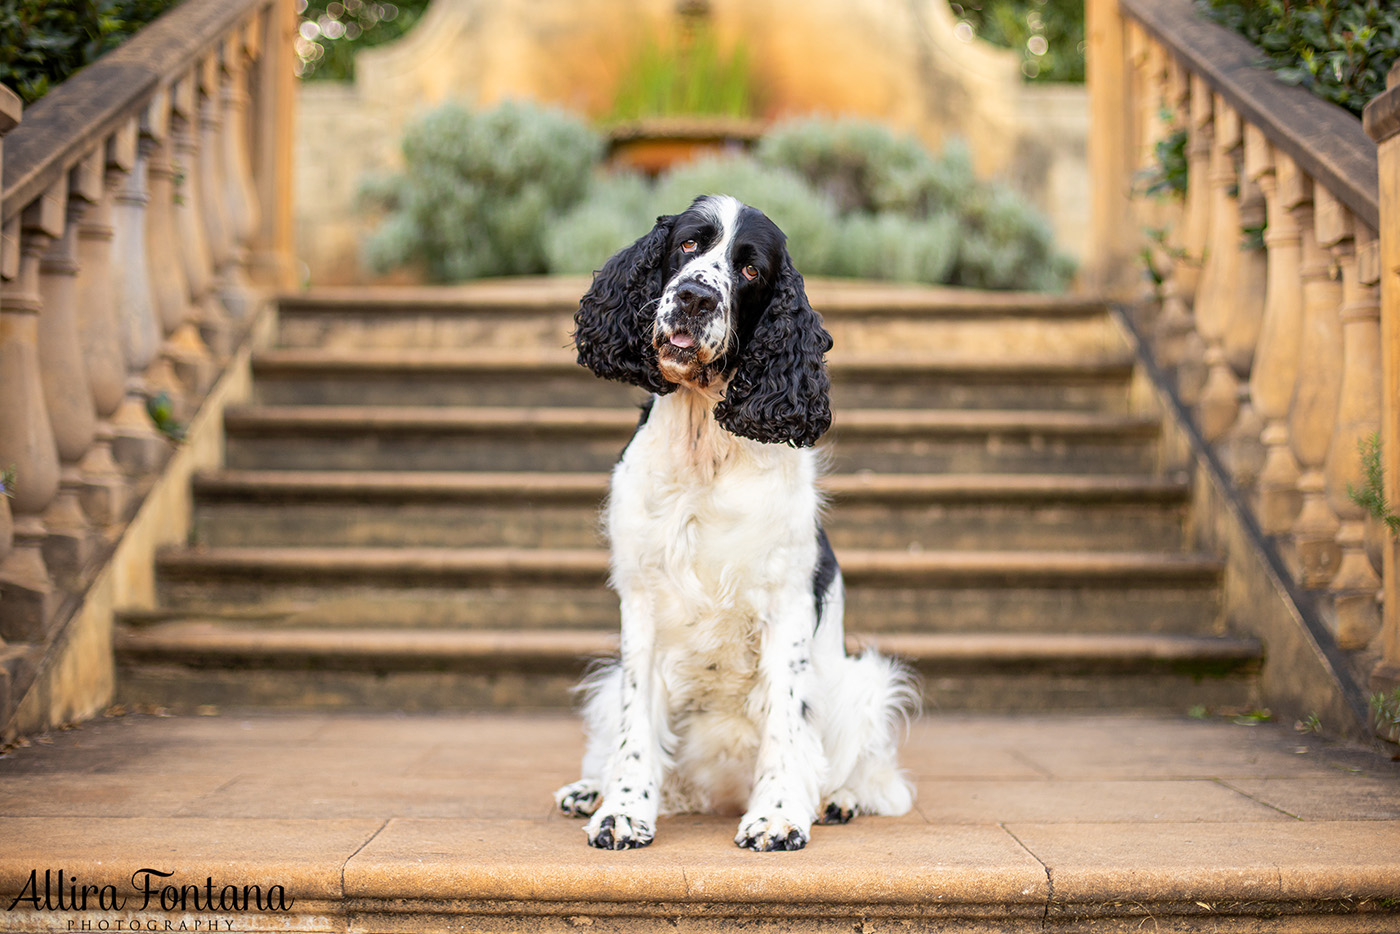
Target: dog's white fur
730	696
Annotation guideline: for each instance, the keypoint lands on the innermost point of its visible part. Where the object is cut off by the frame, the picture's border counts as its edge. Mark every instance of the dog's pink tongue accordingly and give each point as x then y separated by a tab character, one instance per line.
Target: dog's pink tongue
682	340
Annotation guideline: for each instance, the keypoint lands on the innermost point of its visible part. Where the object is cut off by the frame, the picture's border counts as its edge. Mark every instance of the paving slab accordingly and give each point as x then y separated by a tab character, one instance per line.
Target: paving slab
445	822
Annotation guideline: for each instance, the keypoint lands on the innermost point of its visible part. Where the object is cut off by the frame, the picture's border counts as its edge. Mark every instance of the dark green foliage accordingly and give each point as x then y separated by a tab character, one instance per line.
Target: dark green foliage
332	32
1171	173
1338	49
42	42
1048	34
479	189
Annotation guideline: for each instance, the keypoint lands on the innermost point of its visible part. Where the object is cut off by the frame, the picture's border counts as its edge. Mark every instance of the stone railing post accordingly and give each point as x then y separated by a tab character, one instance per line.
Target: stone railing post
272	92
106	493
1112	238
66	394
11	110
1382	123
26	433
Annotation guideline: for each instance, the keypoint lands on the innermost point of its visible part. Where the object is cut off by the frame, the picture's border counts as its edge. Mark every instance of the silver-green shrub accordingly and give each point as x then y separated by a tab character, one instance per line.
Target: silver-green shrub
479	189
1001	243
617	210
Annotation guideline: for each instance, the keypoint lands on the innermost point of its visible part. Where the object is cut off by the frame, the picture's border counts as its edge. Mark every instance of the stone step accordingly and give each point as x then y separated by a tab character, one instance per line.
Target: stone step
551	377
538	313
229	665
587	439
534	588
465	510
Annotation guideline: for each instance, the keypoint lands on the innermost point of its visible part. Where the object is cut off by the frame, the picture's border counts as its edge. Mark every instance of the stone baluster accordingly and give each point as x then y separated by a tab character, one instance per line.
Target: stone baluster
11	111
1241	449
1318	388
240	195
105	493
1174	321
136	444
189	224
26	436
213	210
1356	584
1217	294
67	397
1288	196
183	348
1191	368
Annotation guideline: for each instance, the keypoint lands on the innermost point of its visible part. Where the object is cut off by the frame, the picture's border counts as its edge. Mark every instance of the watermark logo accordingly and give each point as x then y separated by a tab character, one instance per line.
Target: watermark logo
149	890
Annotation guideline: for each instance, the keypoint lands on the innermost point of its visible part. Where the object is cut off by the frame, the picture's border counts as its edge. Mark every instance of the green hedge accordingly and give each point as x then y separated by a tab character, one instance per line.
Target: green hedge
1338	49
42	42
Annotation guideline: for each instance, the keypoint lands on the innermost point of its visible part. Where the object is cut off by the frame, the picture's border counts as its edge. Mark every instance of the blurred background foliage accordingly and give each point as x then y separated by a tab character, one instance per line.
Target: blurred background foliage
331	33
690	75
1047	34
853	198
44	41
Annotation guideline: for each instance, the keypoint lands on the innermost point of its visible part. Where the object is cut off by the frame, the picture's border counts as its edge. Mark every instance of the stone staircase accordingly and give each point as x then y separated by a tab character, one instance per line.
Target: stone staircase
407	516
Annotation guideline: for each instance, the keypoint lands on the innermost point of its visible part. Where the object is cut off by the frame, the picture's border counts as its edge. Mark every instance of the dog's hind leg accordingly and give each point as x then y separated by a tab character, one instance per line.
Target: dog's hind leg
868	706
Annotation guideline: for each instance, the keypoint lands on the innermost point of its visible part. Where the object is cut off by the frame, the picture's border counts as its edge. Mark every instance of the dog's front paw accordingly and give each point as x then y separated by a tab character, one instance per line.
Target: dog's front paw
765	834
839	808
618	832
579	799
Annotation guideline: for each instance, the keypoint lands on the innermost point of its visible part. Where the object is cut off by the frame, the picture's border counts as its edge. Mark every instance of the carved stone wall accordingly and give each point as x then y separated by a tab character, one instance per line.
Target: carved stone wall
899	61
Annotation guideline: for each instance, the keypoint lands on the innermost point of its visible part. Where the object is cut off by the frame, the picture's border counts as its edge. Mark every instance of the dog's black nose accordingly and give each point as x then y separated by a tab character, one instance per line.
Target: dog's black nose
696	298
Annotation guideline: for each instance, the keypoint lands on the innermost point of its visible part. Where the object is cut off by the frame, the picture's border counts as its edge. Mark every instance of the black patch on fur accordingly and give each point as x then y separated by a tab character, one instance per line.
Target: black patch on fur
613	324
825	571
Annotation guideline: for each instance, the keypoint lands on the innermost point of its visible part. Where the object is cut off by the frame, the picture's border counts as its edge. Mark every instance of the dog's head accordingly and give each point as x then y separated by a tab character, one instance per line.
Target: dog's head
710	300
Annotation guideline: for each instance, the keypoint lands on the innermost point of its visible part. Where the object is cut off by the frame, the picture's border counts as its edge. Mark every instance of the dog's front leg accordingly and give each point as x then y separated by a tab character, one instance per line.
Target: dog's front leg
626	818
791	764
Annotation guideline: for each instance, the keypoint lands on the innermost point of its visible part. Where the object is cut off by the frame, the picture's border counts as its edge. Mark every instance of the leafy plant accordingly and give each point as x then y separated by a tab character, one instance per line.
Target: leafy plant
692	75
1170	173
1370	496
1048	34
1338	49
7	481
161	409
330	33
42	42
1385	710
479	189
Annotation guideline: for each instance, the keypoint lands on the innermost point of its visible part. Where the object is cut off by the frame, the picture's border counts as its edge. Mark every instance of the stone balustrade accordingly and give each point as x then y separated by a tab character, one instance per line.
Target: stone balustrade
1263	310
145	216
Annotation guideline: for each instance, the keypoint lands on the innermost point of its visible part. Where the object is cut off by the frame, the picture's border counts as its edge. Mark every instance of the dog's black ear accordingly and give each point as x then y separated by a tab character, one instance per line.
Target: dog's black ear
613	324
780	391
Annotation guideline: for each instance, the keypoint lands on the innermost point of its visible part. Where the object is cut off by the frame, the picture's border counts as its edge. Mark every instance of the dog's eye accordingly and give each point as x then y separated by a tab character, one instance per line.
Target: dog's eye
689	246
750	272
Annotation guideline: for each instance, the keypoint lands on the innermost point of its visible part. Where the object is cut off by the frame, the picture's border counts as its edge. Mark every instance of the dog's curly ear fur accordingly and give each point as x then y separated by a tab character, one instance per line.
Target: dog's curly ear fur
613	324
780	391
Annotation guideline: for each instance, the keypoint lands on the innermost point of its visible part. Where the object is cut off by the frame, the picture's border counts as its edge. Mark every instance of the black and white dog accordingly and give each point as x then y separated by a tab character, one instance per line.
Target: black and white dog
733	692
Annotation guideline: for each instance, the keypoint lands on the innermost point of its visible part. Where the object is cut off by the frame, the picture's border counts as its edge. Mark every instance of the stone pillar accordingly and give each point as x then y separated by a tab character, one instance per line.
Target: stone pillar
106	493
67	396
183	349
1287	192
195	259
1317	391
1217	296
137	445
11	110
26	436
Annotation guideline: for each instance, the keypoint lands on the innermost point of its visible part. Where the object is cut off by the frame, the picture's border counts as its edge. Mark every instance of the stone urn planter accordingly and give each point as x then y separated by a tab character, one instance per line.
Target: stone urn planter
655	144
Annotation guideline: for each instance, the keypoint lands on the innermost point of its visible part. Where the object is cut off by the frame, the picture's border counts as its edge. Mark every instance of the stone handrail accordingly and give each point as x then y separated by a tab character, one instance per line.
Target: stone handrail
145	215
1264	310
